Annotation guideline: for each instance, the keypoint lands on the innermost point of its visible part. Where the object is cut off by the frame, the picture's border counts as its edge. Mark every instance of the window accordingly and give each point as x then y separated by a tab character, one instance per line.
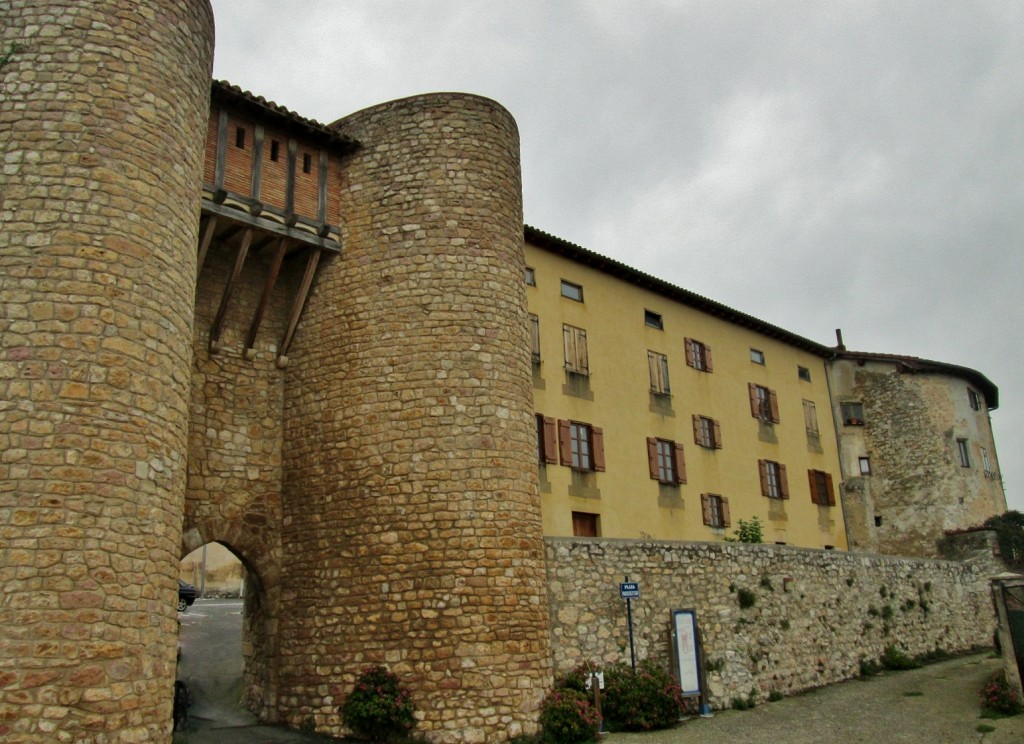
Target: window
240	138
810	418
822	492
547	446
757	356
803	373
865	465
535	339
657	365
707	432
715	510
585	525
275	150
774	484
764	404
575	342
698	355
581	446
665	461
852	413
985	463
307	162
975	399
653	320
531	277
572	291
963	452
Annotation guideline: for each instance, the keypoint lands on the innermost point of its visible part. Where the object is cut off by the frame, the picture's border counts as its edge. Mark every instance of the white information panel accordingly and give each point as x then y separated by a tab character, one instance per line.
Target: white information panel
684	625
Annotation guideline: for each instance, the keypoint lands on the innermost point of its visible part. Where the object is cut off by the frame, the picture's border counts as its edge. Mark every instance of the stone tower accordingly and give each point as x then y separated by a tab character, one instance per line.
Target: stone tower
102	116
412	531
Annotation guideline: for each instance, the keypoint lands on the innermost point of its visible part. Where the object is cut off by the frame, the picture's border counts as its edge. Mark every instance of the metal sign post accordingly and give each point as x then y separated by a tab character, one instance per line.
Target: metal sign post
630	590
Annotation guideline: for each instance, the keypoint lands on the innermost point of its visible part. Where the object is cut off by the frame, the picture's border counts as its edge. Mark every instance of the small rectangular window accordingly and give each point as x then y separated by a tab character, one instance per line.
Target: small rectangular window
657	365
985	462
575	342
715	510
764	403
865	465
757	356
852	413
653	320
572	291
585	525
975	399
275	150
774	484
307	162
665	461
240	138
707	432
698	355
822	491
803	373
535	339
964	453
581	446
531	277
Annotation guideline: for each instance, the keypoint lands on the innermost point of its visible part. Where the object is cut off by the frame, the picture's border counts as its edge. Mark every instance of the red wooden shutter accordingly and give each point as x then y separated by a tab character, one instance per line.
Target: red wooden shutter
550	441
718	434
597	447
680	463
652	457
726	522
705	508
762	472
708	366
831	491
564	443
755	409
783	482
775	405
688	345
814	486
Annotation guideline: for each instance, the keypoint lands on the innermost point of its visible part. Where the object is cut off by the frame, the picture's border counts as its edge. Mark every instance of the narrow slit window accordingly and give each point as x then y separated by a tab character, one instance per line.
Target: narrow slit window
275	150
240	138
307	162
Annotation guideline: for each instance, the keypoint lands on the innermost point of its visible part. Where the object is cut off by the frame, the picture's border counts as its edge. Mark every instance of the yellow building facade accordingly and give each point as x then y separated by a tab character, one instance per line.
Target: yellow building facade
663	415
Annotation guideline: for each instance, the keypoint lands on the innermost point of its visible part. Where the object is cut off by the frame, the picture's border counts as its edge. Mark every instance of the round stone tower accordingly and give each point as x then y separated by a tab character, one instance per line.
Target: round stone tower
102	117
412	520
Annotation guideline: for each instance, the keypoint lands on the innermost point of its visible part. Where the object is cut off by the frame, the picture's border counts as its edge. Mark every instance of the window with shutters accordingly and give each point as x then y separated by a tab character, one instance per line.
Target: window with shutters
822	492
547	440
575	342
707	432
810	417
665	461
535	339
774	484
657	365
698	355
986	464
581	446
764	403
585	524
715	510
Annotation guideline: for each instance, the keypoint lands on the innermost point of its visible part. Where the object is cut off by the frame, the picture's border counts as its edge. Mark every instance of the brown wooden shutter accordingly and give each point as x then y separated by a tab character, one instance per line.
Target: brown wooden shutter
755	409
564	443
708	365
705	508
696	430
550	441
762	472
654	370
775	405
831	490
783	482
652	457
597	447
814	486
581	350
680	463
718	434
726	521
688	345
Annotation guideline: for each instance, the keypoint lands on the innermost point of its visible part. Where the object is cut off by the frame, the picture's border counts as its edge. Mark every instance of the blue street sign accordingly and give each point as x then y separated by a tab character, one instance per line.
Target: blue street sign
629	590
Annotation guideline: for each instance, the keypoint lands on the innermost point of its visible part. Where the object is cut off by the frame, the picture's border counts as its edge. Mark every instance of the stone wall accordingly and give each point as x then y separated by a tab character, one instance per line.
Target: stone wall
103	106
815	615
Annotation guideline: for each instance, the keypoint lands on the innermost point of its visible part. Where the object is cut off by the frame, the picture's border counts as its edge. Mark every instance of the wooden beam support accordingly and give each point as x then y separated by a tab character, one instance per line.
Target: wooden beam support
297	307
229	288
209	228
293	234
268	287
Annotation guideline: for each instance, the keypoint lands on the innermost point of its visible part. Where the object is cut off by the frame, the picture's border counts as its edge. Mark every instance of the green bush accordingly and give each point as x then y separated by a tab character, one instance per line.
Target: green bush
998	697
896	660
746	598
567	717
648	699
577	678
378	707
748	532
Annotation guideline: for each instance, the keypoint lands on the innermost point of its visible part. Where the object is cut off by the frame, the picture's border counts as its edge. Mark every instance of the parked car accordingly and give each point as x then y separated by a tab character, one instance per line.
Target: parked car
186	595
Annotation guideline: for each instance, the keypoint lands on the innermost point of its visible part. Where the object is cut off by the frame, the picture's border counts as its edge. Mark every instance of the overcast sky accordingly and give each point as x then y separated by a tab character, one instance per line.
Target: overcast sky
820	165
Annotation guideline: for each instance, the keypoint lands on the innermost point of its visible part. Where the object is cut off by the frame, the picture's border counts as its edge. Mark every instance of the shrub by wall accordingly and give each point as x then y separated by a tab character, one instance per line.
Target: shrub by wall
815	616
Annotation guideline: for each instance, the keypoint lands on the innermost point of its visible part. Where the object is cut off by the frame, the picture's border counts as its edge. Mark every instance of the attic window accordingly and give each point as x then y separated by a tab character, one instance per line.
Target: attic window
275	150
240	138
653	319
307	162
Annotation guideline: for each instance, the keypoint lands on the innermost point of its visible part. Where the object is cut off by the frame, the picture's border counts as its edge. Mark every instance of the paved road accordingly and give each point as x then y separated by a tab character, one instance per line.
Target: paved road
934	705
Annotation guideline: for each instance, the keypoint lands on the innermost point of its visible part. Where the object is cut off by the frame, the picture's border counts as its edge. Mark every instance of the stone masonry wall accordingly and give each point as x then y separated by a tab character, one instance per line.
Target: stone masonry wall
816	614
412	528
102	112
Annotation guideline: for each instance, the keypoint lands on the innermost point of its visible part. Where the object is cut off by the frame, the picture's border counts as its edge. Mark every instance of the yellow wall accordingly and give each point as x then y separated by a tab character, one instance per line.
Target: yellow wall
630	503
